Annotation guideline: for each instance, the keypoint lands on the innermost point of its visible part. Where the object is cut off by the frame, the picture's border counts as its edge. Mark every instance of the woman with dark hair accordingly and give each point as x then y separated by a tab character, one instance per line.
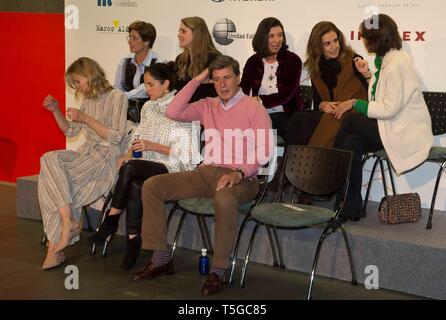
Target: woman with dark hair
198	52
395	118
333	68
166	147
272	74
130	73
70	179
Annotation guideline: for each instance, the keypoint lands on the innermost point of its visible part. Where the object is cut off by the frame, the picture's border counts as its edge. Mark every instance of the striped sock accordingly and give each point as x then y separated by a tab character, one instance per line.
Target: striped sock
219	271
160	258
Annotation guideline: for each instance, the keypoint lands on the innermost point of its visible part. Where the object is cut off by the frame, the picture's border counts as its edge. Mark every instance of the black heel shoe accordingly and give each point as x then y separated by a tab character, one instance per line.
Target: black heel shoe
107	229
133	250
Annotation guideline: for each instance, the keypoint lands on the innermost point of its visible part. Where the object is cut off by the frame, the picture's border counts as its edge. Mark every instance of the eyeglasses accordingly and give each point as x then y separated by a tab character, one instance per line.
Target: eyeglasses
133	38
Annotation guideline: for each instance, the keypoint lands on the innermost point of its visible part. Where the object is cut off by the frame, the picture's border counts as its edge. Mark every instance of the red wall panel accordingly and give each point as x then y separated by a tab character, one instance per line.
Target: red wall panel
32	64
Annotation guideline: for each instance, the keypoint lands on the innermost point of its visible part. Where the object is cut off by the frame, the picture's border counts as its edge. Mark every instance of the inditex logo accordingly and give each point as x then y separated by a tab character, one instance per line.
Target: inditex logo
221	31
407	36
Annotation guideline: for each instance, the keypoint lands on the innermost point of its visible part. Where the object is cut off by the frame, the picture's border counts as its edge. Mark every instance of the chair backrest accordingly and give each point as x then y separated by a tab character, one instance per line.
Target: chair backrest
317	171
306	94
436	103
134	109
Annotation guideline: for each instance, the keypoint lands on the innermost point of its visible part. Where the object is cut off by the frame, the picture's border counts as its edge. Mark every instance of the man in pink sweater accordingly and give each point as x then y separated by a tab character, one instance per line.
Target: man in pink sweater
239	141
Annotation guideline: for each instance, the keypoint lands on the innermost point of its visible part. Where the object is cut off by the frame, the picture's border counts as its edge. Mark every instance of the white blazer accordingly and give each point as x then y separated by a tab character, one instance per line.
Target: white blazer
403	118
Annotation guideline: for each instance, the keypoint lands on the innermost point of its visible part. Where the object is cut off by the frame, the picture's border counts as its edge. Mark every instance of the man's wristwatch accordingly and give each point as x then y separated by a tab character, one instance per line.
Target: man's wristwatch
240	170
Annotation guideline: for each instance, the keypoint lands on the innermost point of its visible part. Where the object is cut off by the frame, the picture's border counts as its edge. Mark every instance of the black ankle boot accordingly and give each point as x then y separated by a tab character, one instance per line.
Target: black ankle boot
133	250
106	229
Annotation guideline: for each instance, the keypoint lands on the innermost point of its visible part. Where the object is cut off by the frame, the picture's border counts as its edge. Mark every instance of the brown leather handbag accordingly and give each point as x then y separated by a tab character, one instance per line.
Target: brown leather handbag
400	208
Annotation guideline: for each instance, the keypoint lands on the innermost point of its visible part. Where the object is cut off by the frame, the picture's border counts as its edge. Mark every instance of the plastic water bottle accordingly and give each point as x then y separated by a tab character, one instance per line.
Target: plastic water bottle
203	262
136	154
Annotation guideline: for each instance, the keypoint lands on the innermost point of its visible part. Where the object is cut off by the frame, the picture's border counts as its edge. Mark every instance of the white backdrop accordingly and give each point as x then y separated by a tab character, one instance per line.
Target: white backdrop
101	35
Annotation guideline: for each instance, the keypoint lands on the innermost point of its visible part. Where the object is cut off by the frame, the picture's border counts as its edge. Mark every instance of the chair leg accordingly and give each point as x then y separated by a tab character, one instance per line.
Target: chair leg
316	258
236	247
369	186
248	253
434	195
44	239
272	243
392	180
171	212
350	257
177	234
205	237
101	219
279	250
383	175
207	234
104	249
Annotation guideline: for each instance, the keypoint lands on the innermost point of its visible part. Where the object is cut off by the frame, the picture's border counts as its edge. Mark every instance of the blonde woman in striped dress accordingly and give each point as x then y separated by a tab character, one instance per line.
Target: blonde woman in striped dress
69	179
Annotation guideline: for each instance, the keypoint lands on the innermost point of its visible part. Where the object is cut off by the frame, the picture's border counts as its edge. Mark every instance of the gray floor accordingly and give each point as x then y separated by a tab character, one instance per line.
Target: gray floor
21	276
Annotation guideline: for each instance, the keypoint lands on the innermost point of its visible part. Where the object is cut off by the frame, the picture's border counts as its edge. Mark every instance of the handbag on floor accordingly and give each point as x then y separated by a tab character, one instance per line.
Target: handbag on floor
400	208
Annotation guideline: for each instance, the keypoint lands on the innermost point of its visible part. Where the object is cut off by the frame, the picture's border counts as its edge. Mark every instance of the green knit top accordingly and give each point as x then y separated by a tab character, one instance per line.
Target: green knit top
362	106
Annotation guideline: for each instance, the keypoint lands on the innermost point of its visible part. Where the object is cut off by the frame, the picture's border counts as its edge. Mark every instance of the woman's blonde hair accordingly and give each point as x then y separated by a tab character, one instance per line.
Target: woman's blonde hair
315	49
90	69
192	63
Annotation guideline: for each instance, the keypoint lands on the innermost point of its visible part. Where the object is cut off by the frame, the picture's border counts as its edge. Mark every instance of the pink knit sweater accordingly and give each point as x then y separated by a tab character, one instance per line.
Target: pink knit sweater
238	137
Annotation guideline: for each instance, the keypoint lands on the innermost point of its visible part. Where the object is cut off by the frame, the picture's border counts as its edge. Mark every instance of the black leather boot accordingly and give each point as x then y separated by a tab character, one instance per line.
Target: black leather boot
133	250
106	229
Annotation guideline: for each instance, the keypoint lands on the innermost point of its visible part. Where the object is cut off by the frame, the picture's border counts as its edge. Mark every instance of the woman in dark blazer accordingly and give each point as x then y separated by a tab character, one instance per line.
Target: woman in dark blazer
272	74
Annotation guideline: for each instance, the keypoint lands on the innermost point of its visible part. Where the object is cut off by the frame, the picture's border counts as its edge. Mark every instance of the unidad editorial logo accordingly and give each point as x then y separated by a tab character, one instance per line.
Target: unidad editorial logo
225	31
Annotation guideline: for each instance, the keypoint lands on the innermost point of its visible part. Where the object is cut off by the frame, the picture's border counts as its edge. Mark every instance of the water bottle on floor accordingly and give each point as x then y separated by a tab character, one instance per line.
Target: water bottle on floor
203	262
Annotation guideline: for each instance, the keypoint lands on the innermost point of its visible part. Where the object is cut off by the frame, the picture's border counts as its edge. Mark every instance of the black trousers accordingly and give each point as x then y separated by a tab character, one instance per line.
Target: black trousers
360	135
301	126
127	194
279	121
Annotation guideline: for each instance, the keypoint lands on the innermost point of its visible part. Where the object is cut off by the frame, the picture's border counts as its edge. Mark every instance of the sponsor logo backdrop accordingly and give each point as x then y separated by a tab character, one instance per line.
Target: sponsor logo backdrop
103	28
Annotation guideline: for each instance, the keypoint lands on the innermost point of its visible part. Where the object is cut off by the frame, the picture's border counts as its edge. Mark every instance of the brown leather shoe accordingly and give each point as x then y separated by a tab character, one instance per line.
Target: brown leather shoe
149	271
213	284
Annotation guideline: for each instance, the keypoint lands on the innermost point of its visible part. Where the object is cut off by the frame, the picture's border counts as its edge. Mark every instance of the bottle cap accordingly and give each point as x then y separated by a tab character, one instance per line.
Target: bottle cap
204	250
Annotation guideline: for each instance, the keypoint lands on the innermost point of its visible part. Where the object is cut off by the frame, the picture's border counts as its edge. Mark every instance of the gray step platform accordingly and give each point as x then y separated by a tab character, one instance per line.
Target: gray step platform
408	257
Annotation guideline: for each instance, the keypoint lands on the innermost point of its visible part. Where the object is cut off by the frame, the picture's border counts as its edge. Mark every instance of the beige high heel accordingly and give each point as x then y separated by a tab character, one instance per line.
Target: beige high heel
52	260
66	238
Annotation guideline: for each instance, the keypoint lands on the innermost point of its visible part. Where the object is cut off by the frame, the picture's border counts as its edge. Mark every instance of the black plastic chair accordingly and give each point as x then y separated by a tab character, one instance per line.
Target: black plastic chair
380	158
306	94
134	109
316	172
436	103
105	207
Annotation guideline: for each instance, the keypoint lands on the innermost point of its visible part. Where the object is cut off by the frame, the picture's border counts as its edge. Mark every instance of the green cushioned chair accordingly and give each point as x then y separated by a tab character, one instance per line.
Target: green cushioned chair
201	208
316	172
436	103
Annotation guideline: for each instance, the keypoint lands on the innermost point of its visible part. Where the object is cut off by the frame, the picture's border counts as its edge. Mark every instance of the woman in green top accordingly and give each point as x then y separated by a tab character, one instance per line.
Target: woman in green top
395	118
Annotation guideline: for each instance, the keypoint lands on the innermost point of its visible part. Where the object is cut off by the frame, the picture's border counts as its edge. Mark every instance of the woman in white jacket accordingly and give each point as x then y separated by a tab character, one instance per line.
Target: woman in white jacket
395	118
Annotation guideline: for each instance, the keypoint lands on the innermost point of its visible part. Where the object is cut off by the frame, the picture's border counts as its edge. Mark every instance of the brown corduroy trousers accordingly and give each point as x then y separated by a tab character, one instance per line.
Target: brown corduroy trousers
201	182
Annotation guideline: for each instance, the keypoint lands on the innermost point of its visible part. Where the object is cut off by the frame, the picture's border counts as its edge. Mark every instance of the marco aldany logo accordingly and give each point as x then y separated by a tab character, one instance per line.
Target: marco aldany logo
114	28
